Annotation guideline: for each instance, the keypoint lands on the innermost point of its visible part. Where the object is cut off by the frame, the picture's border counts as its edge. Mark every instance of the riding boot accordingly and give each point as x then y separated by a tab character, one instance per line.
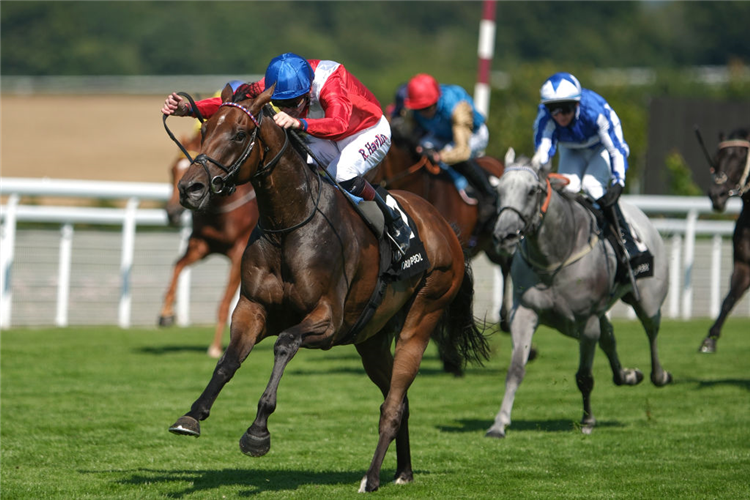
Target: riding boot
478	179
399	233
623	244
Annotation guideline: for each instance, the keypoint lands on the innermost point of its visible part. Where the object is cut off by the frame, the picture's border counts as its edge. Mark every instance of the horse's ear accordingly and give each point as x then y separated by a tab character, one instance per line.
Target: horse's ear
226	93
510	157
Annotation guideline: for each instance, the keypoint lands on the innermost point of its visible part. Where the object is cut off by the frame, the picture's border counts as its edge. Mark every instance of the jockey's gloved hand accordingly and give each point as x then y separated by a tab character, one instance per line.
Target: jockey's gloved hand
611	196
431	154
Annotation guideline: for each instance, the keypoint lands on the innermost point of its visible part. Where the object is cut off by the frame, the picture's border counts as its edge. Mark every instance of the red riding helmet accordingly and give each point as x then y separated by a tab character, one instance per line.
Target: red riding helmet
422	92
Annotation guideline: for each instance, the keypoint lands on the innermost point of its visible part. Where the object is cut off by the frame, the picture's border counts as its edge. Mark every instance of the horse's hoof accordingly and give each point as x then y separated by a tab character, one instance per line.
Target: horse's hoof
587	425
404	478
165	321
708	346
255	446
365	487
665	379
214	352
494	432
186	426
587	429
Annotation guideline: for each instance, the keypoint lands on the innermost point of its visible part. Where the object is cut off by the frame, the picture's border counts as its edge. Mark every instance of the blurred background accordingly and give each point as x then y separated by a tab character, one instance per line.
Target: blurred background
82	82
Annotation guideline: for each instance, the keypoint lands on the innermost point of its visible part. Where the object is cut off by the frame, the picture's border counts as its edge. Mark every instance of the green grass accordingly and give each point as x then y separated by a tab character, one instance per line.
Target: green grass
84	414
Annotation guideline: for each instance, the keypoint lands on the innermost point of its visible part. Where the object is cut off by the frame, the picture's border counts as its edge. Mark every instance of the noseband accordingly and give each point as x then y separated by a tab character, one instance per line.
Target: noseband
720	178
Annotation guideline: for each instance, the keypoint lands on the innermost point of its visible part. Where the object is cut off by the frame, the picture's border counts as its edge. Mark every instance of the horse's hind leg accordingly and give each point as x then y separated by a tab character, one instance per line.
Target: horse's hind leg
215	349
410	346
740	282
620	375
246	330
378	363
659	376
196	251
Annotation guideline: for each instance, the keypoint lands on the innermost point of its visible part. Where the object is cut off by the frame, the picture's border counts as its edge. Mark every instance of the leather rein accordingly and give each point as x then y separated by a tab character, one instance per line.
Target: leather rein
226	185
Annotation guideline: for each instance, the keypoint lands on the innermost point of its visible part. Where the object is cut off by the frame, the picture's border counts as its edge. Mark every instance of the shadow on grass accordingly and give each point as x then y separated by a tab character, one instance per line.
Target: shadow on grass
254	481
708	384
170	349
552	425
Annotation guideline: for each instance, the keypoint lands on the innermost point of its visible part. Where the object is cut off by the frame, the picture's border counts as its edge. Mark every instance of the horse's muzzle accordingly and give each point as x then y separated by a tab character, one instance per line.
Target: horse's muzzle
193	195
719	195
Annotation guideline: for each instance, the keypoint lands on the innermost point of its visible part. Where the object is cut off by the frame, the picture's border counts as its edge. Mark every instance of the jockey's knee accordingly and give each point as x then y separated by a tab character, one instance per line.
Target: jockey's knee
593	188
574	183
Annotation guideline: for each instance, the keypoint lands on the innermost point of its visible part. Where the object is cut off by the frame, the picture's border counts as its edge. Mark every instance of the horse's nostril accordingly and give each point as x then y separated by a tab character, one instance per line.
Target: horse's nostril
195	187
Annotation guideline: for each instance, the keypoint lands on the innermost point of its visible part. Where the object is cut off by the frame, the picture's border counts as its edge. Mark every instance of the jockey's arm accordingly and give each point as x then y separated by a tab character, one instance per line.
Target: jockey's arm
462	125
610	134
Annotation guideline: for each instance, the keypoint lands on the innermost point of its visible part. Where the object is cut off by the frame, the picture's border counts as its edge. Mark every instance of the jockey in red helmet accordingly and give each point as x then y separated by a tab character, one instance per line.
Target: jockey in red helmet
345	126
455	131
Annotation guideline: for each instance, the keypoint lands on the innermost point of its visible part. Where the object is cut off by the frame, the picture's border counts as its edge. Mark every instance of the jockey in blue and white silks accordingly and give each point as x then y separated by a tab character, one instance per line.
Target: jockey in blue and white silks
587	131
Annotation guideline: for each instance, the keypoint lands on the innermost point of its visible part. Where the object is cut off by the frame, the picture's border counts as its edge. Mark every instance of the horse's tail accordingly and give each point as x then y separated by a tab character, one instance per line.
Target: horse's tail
459	339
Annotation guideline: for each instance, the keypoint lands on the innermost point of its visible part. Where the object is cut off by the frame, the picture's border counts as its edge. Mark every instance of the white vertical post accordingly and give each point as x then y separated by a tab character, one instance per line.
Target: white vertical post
498	294
485	51
687	284
183	282
715	275
674	276
7	251
126	263
63	275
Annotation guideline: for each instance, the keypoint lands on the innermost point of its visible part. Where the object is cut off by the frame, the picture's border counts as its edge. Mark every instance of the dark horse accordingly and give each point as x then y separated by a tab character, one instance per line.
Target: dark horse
309	271
406	169
224	228
730	171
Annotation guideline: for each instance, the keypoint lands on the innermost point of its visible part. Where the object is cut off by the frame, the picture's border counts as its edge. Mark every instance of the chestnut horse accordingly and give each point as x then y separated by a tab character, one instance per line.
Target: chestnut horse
730	171
309	272
222	229
403	168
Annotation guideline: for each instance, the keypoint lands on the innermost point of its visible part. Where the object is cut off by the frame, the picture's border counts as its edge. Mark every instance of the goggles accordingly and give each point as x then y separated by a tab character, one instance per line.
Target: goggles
560	108
293	104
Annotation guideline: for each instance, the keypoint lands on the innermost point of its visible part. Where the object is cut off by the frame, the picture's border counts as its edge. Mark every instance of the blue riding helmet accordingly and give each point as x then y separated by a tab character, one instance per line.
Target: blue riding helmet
292	75
560	87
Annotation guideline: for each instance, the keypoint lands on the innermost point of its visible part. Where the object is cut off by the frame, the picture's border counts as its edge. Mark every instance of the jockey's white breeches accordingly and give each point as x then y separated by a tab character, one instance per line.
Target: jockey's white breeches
587	169
353	155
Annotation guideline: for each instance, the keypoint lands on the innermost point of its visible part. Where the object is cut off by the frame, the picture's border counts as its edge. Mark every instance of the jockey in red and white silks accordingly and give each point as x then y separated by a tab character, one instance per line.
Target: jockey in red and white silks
346	128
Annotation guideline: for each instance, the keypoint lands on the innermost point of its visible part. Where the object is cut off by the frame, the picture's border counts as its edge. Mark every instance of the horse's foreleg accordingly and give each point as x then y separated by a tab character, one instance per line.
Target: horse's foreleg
522	326
739	283
507	300
584	377
194	253
248	325
394	412
215	349
256	441
620	375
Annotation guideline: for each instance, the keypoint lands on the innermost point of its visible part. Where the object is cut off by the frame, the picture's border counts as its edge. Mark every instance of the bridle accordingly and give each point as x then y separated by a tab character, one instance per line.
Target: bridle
720	178
531	223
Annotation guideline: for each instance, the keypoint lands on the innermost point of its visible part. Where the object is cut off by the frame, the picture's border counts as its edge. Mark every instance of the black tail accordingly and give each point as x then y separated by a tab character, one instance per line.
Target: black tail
458	337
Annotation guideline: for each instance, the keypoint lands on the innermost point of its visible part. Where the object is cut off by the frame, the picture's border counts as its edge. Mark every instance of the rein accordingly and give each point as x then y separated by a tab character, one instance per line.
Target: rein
720	178
424	162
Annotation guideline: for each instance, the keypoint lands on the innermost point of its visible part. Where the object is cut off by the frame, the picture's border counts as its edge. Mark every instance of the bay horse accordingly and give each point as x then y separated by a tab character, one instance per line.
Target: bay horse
309	272
406	169
730	172
223	228
564	277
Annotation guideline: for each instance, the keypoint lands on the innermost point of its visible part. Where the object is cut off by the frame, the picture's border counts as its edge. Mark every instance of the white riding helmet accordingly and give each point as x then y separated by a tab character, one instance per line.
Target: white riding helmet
560	87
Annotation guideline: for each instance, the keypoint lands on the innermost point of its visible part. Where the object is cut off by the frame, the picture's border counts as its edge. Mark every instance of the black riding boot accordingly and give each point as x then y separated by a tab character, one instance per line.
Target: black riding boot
399	232
477	178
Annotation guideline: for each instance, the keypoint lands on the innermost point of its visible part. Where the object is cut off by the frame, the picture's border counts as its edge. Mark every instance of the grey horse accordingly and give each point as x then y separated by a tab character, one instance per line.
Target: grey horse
563	275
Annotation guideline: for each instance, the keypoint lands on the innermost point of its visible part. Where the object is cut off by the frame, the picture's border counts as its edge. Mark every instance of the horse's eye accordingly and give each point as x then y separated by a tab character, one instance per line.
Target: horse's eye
240	136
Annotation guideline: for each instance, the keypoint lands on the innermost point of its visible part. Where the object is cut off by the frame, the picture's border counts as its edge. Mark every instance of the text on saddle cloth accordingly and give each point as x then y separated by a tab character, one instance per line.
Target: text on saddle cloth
415	261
